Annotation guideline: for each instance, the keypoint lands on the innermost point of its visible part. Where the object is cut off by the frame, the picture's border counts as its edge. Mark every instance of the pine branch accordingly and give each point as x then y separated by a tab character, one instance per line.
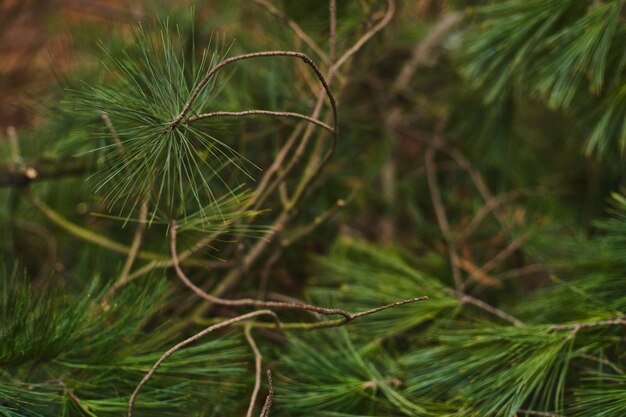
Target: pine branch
465	298
203	116
265	412
41	170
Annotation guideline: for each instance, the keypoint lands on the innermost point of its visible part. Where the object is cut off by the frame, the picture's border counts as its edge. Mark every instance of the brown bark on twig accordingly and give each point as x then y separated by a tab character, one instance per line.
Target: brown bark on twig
197	336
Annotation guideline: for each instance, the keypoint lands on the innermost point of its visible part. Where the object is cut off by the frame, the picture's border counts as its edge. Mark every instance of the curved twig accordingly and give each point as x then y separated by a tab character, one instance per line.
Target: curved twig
265	411
274	304
260	112
252	55
174	349
589	325
391	10
257	369
331	98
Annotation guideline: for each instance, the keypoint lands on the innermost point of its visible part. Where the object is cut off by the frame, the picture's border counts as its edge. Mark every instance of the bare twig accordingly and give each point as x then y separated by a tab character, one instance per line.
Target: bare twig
280	222
265	411
538	413
249	302
133	251
492	205
260	112
503	254
518	272
465	298
253	55
603	362
325	324
89	235
42	169
197	336
478	273
440	213
257	369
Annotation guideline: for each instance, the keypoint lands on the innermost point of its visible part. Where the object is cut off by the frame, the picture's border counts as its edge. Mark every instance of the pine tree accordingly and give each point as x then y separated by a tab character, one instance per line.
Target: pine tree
358	208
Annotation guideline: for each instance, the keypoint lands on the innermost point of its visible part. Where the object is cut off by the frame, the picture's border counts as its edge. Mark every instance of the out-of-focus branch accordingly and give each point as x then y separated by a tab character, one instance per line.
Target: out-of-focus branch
257	369
40	169
293	26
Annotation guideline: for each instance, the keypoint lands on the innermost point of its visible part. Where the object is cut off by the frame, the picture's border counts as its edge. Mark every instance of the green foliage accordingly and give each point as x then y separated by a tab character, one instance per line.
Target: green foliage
564	53
144	90
71	353
536	326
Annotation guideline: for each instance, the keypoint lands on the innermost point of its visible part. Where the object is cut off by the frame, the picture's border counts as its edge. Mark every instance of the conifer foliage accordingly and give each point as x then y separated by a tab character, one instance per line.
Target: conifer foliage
361	208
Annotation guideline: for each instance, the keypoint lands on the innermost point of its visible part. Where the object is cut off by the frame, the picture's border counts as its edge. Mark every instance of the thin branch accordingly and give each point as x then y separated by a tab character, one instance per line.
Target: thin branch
88	235
133	252
40	169
493	204
603	362
391	10
589	325
257	369
282	219
538	413
265	411
503	254
332	49
260	112
248	302
197	336
477	273
237	58
262	191
422	53
465	298
325	324
440	213
291	24
297	55
518	272
311	227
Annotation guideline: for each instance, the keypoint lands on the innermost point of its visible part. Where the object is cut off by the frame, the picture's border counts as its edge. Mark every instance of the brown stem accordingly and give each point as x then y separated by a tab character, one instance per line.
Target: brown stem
249	302
440	213
132	253
231	60
174	349
260	112
589	325
325	324
265	411
300	33
391	10
41	169
332	50
465	298
257	368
